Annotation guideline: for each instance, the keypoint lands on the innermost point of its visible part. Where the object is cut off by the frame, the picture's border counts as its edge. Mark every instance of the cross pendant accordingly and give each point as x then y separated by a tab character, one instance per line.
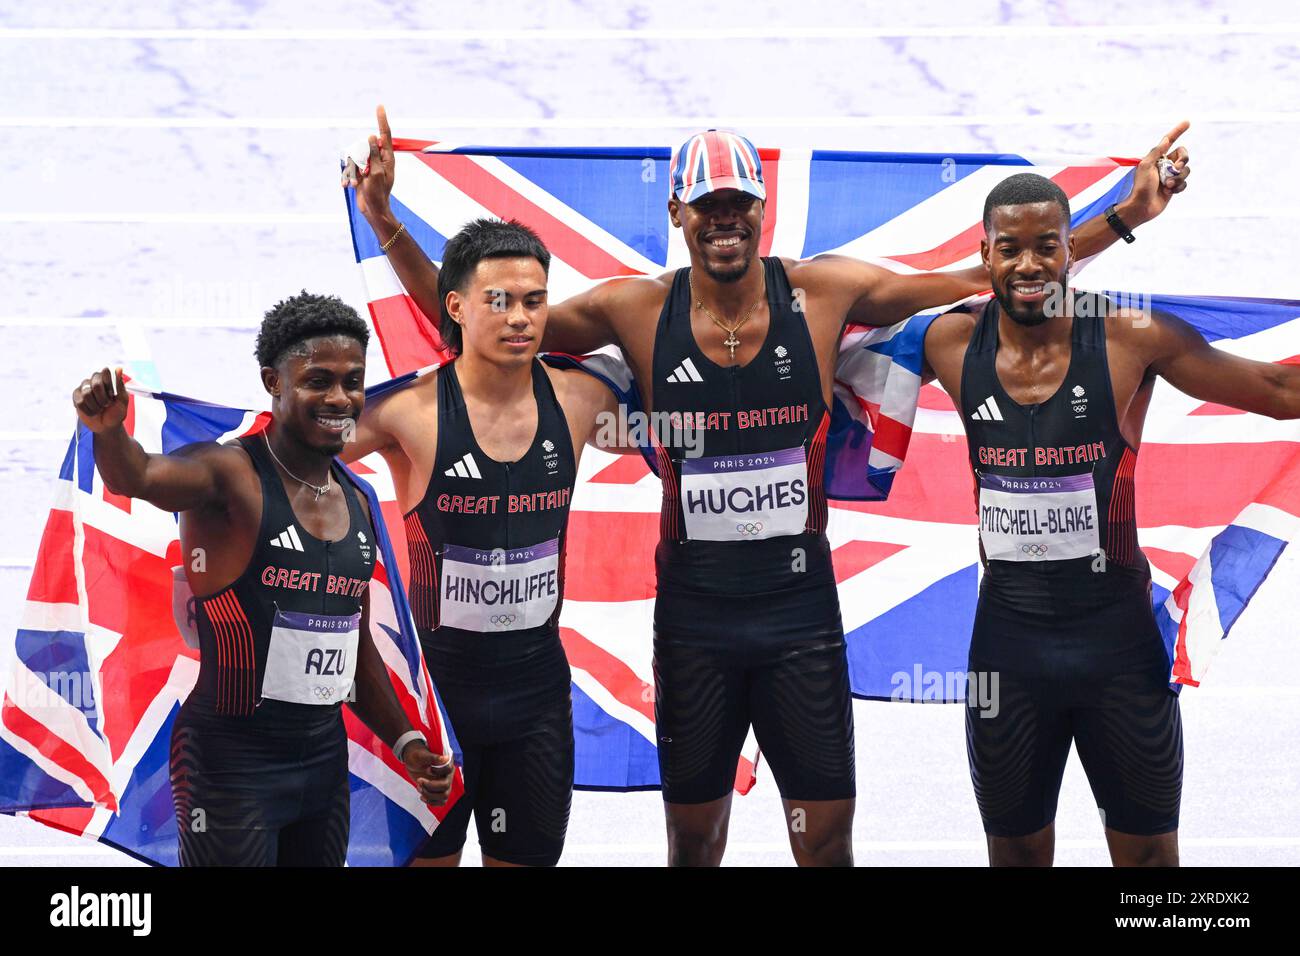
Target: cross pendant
731	342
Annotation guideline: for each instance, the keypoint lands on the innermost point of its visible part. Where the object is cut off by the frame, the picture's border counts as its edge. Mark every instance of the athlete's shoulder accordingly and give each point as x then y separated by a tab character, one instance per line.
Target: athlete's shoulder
230	467
831	263
421	392
631	290
230	456
951	330
577	390
1143	331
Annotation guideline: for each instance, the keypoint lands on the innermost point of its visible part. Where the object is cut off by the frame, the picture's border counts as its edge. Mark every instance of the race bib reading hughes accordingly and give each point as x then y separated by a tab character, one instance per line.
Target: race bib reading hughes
1038	519
745	497
501	590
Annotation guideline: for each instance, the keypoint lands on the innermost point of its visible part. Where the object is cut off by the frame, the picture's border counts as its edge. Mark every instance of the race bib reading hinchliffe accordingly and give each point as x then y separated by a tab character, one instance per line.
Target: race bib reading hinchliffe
1038	519
502	590
745	497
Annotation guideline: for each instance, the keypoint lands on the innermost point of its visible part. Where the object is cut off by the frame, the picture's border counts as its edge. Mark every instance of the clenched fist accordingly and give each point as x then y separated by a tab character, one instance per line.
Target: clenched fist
102	401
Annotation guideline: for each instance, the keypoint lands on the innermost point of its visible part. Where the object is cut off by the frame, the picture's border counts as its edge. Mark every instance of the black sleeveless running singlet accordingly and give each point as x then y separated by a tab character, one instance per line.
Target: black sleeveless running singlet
742	457
306	589
486	540
1054	481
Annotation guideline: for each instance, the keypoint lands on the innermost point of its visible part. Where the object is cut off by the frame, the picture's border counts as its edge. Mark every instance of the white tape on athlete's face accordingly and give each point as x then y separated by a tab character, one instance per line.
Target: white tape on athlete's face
1038	519
745	497
501	590
312	658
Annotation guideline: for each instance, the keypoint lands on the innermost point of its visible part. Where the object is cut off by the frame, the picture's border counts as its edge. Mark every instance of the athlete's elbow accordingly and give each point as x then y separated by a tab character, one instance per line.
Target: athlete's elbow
126	486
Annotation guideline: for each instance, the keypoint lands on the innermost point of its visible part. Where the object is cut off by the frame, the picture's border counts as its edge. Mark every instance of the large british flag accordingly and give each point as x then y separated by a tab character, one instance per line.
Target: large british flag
1217	497
98	669
1218	492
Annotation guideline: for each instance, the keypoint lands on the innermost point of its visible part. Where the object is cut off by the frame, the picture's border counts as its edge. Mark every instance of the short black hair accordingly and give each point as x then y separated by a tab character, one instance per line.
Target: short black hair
306	316
479	240
1022	189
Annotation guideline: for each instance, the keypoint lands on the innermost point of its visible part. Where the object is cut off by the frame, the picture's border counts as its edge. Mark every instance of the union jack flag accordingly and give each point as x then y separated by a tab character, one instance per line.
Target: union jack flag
1218	491
98	670
1214	484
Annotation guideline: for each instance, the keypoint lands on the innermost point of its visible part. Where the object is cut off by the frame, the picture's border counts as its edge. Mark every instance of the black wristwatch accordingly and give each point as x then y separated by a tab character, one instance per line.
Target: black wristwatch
1116	223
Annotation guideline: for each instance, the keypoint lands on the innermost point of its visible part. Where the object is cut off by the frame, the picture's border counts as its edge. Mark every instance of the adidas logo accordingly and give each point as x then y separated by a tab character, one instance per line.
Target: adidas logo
988	411
465	468
288	538
686	372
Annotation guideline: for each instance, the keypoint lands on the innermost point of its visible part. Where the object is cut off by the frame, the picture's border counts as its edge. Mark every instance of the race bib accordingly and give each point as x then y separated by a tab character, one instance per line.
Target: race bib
500	590
312	658
1038	519
745	497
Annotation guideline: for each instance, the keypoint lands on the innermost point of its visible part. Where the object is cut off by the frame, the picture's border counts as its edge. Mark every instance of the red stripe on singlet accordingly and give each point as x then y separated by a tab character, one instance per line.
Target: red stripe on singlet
246	672
1121	528
816	483
668	525
212	609
423	573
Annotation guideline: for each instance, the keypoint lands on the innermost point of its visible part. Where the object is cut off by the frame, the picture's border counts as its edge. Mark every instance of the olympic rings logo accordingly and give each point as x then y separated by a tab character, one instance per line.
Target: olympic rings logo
1034	550
324	693
503	618
750	527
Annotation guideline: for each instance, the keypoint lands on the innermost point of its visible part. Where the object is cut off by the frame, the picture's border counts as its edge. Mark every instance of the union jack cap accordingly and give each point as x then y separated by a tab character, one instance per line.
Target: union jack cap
716	159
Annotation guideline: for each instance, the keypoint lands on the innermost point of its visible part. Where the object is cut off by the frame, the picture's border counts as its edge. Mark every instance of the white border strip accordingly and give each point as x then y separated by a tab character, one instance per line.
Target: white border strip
771	32
677	123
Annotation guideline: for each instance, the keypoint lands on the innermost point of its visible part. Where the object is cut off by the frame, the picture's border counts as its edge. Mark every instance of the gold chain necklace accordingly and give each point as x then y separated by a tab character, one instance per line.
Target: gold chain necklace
730	341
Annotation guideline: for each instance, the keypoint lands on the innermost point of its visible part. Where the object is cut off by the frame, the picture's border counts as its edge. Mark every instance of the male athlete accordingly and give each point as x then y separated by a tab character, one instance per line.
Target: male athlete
747	621
484	455
259	759
1053	387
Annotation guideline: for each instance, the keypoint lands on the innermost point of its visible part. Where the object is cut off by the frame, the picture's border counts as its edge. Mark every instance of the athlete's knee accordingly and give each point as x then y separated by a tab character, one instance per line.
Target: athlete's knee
821	833
1033	849
697	833
1129	850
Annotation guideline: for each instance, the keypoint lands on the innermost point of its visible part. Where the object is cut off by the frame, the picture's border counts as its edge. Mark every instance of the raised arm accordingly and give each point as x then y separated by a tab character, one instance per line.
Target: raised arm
374	186
885	297
576	325
1190	364
191	477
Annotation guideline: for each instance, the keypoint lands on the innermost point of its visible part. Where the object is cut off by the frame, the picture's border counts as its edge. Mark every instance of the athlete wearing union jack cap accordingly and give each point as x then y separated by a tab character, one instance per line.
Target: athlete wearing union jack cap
283	550
1053	388
713	160
747	626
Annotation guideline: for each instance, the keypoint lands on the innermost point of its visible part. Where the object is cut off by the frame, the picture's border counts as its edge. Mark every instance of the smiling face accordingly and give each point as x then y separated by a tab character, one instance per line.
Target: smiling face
318	390
1026	248
501	310
722	231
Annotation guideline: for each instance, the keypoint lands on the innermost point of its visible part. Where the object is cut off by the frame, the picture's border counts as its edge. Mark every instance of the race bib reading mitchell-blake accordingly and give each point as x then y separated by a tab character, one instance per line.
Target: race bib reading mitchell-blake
502	590
1038	519
745	497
